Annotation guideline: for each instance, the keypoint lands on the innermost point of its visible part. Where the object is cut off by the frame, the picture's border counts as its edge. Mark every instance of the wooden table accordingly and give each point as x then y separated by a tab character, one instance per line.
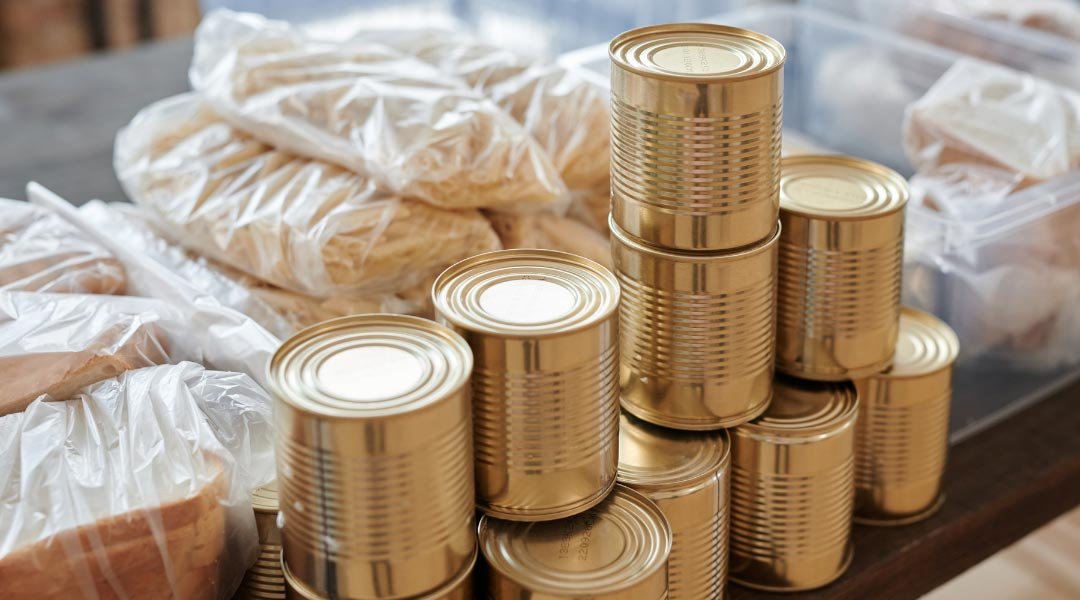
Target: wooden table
57	127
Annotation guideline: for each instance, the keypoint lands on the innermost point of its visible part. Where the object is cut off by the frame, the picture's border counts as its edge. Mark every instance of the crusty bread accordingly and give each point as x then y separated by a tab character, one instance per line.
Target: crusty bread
127	343
552	232
121	557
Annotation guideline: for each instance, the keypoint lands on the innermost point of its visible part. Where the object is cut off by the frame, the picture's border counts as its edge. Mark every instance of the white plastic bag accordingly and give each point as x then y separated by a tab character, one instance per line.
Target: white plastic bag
565	111
302	225
384	115
138	488
40	252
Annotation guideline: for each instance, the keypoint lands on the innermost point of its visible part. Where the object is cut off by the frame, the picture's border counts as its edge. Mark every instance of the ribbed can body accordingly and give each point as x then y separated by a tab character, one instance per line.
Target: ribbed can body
545	386
696	113
697	333
264	580
792	500
460	588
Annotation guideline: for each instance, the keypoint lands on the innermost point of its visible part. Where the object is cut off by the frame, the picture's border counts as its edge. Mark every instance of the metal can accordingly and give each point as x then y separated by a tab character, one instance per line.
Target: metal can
374	456
618	550
458	588
697	332
543	329
902	437
686	474
793	488
841	256
696	113
263	580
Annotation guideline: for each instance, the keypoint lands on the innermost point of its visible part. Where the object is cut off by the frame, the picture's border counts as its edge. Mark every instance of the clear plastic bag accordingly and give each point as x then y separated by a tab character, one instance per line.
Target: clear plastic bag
137	488
564	110
1060	17
302	225
384	115
40	252
552	232
592	206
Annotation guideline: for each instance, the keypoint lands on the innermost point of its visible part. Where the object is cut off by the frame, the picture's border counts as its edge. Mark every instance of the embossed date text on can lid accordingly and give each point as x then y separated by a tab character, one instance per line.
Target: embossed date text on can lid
656	458
369	366
696	52
924	345
526	293
839	187
803	410
609	551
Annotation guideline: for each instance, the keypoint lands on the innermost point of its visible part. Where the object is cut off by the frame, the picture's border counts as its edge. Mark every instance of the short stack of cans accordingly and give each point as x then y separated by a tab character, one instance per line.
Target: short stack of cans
393	431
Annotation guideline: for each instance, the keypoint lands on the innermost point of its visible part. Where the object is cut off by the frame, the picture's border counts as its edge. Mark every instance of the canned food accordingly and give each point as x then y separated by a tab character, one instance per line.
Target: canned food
374	456
264	581
841	256
617	550
793	488
902	437
686	474
543	329
458	588
697	332
696	113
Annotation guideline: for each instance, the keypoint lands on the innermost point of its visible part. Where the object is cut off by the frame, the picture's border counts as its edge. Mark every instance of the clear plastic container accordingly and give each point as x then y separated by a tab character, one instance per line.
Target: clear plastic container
847	86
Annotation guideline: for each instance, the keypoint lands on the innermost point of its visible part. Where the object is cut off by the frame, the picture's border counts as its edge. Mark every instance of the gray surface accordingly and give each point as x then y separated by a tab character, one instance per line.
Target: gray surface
57	124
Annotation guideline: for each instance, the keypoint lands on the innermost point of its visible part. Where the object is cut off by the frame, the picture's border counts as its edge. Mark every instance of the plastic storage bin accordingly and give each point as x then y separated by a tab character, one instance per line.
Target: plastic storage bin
846	89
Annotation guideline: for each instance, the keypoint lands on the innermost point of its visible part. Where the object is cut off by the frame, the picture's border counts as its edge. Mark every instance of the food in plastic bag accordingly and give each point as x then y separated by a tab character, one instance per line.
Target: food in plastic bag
565	111
302	225
136	488
592	206
552	232
39	251
200	329
986	115
58	343
1060	17
384	115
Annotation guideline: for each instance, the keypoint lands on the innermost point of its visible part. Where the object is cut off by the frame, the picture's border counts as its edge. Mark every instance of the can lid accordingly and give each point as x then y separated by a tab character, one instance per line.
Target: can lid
265	499
525	293
839	187
696	52
655	458
369	366
802	410
617	545
924	345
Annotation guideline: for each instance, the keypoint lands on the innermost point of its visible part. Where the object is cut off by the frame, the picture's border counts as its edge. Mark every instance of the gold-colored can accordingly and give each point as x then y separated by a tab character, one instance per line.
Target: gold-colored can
841	257
697	332
458	588
902	437
793	488
374	456
264	580
687	475
696	113
543	329
618	550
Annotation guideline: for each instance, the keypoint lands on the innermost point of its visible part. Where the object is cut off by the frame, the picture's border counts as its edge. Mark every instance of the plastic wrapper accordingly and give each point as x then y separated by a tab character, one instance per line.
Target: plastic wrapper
138	487
39	251
206	331
564	110
280	311
552	232
302	225
1059	17
384	115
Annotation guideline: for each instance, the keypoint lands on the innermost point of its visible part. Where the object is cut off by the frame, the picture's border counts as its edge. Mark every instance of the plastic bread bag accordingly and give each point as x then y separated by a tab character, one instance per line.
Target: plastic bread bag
380	113
563	109
552	232
39	251
592	206
136	488
212	334
302	225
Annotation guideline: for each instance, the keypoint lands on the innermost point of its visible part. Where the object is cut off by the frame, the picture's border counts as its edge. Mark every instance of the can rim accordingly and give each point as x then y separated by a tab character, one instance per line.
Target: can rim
853	162
843	411
449	283
453	349
708	466
935	327
706	256
622	41
265	499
